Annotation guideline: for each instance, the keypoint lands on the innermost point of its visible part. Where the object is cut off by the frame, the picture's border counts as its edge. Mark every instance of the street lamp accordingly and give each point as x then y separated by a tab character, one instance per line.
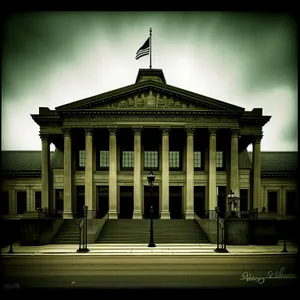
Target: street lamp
151	178
232	199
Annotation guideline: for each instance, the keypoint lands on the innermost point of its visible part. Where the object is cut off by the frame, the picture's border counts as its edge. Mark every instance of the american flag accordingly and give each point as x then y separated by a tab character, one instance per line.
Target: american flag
144	50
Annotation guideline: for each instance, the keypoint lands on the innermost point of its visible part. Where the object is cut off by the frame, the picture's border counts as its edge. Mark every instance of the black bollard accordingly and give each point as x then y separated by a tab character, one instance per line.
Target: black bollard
284	246
11	248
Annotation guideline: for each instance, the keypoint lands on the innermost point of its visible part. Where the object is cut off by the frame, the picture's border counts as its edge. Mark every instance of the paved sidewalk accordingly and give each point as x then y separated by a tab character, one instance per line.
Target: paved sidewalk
143	249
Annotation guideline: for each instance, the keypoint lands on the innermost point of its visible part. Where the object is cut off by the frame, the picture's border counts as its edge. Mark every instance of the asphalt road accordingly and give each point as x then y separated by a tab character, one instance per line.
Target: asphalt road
113	272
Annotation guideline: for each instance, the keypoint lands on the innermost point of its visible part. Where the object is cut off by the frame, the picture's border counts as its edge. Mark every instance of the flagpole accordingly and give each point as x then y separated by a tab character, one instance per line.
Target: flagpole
150	46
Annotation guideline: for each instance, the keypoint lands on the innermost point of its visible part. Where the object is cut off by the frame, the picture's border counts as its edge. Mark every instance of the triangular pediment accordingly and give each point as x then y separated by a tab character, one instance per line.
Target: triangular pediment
149	99
150	95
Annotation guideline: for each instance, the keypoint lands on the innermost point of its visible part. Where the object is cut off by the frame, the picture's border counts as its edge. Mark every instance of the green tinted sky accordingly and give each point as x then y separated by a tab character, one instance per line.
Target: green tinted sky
52	58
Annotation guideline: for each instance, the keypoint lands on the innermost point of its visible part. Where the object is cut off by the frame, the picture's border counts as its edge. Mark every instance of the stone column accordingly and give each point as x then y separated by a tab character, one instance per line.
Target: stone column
256	171
165	213
234	163
189	213
88	190
212	173
137	213
12	201
112	213
45	170
30	205
67	213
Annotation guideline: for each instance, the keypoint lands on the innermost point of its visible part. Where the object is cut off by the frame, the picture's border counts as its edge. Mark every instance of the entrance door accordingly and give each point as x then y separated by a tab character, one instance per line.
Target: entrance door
151	198
175	202
80	201
103	201
222	200
199	201
126	202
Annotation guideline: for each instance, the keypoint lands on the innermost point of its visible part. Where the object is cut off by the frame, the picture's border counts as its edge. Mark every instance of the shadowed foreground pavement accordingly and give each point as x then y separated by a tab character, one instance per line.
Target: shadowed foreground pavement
119	272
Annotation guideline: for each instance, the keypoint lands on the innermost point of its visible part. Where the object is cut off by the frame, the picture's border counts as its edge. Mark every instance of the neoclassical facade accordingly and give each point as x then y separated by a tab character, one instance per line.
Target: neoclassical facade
106	145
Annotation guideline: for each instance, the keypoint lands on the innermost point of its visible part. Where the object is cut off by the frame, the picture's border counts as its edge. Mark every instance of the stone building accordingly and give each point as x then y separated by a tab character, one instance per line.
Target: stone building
106	145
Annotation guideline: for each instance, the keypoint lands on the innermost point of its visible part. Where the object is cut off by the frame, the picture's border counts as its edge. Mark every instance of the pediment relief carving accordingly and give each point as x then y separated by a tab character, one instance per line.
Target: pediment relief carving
150	99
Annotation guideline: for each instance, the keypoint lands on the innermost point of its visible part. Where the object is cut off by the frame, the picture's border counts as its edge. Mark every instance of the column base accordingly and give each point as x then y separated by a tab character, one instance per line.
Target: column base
189	214
165	214
137	214
67	214
113	214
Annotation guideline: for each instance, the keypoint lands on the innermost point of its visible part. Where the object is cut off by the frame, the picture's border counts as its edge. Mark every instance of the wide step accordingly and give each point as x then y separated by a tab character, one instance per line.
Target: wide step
164	231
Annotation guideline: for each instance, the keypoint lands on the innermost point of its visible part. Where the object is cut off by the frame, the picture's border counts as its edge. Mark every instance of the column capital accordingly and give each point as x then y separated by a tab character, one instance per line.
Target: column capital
112	130
257	138
235	132
190	130
165	130
212	131
66	131
88	131
137	130
44	137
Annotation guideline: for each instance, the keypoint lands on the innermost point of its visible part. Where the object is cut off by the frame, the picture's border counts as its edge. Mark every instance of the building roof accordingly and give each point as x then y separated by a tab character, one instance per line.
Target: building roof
29	162
22	161
275	161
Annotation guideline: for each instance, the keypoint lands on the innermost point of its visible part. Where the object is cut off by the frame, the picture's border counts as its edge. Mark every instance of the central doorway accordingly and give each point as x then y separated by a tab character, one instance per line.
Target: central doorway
126	202
103	200
79	201
175	202
199	201
151	198
221	190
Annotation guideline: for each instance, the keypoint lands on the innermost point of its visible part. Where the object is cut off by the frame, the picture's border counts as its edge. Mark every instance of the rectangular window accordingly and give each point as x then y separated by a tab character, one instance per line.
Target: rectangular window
5	202
174	159
151	160
272	202
219	159
81	158
127	159
291	204
38	199
104	159
197	160
21	202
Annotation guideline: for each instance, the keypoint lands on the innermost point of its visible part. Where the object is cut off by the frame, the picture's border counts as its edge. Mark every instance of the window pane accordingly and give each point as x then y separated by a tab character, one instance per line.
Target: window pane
81	158
127	159
219	159
104	159
174	159
151	159
197	159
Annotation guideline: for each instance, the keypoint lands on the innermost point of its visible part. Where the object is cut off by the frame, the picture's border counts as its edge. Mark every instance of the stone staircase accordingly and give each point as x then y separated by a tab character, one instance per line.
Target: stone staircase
138	231
68	233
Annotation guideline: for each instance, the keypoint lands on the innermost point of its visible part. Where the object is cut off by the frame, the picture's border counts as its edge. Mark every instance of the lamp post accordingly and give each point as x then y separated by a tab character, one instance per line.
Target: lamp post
232	199
151	178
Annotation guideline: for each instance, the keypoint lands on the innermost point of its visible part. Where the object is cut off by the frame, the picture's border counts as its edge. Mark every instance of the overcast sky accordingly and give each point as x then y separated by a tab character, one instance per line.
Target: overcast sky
53	58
